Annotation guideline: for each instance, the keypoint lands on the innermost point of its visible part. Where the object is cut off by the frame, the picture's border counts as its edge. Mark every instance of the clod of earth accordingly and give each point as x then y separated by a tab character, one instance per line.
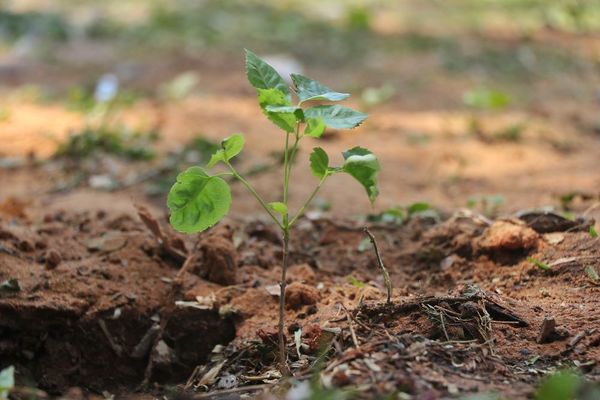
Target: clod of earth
507	236
219	257
299	294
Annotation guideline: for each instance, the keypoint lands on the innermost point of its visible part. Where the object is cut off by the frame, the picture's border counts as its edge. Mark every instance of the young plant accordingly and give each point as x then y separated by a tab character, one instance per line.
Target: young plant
199	200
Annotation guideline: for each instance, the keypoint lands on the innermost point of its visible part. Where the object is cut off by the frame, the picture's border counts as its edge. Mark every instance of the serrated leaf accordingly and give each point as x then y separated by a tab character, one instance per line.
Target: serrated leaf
230	147
7	381
279	207
319	162
336	116
198	201
270	98
363	166
219	155
263	76
309	89
315	127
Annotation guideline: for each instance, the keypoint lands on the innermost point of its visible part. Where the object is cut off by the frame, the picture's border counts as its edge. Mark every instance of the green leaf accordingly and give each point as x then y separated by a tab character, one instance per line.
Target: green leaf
308	89
560	386
356	282
297	111
233	145
539	264
198	201
279	207
593	232
270	98
336	116
592	274
219	155
230	147
361	164
315	127
7	381
319	162
486	99
262	76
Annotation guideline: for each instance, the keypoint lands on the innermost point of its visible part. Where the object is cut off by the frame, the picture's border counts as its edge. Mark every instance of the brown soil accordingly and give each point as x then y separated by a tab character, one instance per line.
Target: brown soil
96	291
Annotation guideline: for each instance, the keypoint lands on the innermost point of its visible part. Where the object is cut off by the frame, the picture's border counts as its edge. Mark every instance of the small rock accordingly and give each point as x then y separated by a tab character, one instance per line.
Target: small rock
52	259
549	332
299	294
227	382
162	354
546	330
110	241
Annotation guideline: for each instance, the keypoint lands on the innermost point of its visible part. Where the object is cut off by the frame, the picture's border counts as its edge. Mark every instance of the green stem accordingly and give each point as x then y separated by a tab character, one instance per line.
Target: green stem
283	367
288	162
307	202
285	171
255	194
287	168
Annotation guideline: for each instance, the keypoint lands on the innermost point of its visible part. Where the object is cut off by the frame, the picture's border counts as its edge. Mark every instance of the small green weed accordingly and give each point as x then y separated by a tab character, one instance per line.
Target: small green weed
133	145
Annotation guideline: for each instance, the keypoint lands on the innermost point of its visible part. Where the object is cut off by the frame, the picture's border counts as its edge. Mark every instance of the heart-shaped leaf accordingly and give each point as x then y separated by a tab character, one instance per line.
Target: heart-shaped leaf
361	164
336	116
263	76
198	201
309	89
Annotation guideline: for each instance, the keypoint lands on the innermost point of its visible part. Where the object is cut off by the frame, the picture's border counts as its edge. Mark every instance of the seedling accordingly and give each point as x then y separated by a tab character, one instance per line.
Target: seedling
199	200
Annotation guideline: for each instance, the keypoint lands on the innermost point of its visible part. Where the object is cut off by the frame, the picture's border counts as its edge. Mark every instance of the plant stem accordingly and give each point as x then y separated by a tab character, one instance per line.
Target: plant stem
287	168
307	202
283	367
286	160
255	194
384	271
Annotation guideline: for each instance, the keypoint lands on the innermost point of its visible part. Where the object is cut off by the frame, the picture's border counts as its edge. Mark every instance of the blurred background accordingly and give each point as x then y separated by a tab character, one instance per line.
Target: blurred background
491	105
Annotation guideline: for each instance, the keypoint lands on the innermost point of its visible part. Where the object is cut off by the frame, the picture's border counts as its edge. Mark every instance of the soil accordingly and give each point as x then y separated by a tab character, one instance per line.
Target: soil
99	296
97	290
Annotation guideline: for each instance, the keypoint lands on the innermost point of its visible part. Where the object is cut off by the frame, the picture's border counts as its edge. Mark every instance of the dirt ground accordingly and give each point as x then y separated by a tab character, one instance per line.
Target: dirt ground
99	296
97	289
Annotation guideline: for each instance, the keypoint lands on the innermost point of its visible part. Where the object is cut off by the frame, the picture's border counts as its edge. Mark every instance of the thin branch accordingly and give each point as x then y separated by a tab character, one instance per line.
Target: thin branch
307	202
386	275
255	194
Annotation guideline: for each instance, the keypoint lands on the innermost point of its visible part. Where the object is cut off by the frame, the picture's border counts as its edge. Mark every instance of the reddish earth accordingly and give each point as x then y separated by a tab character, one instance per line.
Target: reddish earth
97	290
